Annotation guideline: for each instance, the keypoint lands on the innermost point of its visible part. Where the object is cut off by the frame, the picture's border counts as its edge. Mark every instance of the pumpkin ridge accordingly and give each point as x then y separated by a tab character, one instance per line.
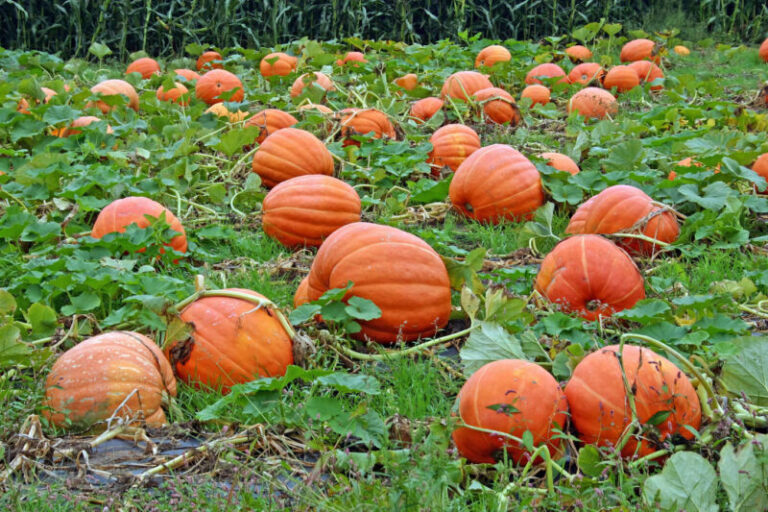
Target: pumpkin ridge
156	359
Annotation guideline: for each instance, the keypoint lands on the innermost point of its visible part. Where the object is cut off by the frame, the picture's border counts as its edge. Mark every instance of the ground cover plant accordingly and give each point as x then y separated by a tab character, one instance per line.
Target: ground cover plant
373	275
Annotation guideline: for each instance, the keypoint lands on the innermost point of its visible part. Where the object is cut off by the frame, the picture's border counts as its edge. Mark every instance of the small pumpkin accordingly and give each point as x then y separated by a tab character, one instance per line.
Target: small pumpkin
289	153
408	82
561	162
648	72
174	94
188	74
761	167
305	210
496	182
623	78
537	93
682	50
80	122
463	84
498	106
422	110
640	49
590	276
220	110
306	79
144	66
352	58
301	296
216	82
112	88
592	102
587	73
763	50
511	396
122	374
23	105
578	53
490	55
599	405
278	63
687	162
363	121
547	70
209	60
269	121
451	145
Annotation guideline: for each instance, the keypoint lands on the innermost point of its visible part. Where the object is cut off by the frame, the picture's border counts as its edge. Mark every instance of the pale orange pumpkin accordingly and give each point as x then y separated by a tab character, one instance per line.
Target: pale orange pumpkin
561	162
216	82
362	121
537	93
586	73
112	88
451	145
173	94
592	102
648	72
463	84
548	70
578	53
490	55
144	66
423	109
278	63
269	121
623	78
288	153
499	106
408	82
209	60
306	79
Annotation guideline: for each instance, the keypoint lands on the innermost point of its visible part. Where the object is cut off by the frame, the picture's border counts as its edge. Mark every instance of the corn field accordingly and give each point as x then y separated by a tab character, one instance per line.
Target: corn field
165	27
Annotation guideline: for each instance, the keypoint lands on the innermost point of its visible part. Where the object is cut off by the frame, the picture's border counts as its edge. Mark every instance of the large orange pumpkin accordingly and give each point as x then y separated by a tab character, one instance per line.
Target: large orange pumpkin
498	106
120	214
289	153
214	83
355	58
561	162
623	78
187	73
173	94
362	121
301	296
763	51
624	208
463	84
496	182
144	66
113	88
306	79
91	380
537	93
80	122
396	270
511	396
578	53
592	102
305	210
600	408
647	71
586	73
590	276
761	167
490	55
547	70
278	63
209	60
423	109
451	145
269	121
639	49
408	82
233	341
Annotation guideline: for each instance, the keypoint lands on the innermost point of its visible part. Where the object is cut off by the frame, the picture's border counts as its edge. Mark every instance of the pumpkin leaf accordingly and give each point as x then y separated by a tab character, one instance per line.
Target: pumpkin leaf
589	461
744	474
12	350
687	482
304	313
362	309
7	303
489	342
746	371
645	311
43	319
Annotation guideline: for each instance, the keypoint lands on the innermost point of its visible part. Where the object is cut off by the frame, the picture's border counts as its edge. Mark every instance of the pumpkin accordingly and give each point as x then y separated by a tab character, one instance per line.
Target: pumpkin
590	276
592	102
537	94
600	409
113	88
174	94
561	162
216	82
463	84
359	121
120	214
88	382
547	70
761	167
80	122
490	55
648	72
687	162
23	105
586	73
322	109
396	270
408	82
624	208
277	63
289	153
305	210
763	51
623	78
451	145
220	110
498	106
232	341
306	79
269	121
301	297
682	50
209	60
423	109
496	182
355	58
144	66
640	49
578	53
511	396
188	74
49	93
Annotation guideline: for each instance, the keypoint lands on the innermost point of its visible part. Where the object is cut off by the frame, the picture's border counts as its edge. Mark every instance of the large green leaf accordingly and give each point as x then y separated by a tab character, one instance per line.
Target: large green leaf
490	342
744	474
746	371
687	482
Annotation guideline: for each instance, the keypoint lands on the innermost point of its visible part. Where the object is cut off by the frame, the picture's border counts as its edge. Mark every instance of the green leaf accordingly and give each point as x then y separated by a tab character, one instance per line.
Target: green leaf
687	482
746	371
99	50
350	383
334	312
7	303
645	311
43	319
303	313
589	461
234	140
362	309
744	474
658	418
12	350
86	301
490	342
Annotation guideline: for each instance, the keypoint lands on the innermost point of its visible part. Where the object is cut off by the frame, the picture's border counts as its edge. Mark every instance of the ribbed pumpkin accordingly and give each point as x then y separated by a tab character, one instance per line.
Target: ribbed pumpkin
289	153
647	71
624	208
187	73
120	214
305	210
423	109
80	122
463	84
174	94
511	396
578	53
233	341
761	167
301	296
144	66
496	182
112	88
91	380
269	121
763	51
353	58
547	70
498	106
214	83
451	145
561	162
362	121
590	276
623	78
408	82
537	93
490	55
209	60
277	63
396	270
220	110
592	102
684	51
600	408
306	79
639	49
587	73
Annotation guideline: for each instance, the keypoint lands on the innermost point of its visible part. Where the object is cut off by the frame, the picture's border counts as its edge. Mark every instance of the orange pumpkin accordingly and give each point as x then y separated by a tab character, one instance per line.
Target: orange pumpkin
269	121
220	110
144	66
121	369
120	214
586	73
187	73
355	58
209	60
306	79
647	71
278	63
687	162
50	93
396	270
590	276
640	49
113	88
423	109
763	51
623	78
761	167
289	153
305	210
498	106
684	51
233	341
408	82
511	396
463	84
537	93
216	82
451	145
561	162
547	70
362	121
80	122
496	182
490	55
174	94
301	297
592	102
600	409
578	53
